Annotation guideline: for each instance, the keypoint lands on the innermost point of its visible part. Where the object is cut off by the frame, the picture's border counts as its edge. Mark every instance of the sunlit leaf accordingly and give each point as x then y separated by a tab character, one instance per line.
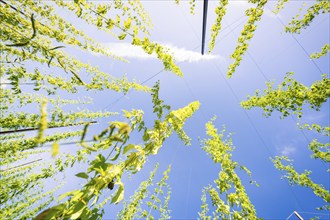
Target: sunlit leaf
82	175
119	195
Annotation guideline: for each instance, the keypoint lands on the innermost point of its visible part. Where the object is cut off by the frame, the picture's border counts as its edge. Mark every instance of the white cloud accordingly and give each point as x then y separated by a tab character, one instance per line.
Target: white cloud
288	150
127	50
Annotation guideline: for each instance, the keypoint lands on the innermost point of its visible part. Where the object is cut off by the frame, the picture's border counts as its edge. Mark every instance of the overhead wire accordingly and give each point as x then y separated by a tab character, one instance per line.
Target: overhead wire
315	213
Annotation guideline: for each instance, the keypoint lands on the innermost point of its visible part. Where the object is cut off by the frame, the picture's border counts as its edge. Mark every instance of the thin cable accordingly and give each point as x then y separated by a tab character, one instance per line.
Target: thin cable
21	165
55	126
289	216
68	143
188	191
315	213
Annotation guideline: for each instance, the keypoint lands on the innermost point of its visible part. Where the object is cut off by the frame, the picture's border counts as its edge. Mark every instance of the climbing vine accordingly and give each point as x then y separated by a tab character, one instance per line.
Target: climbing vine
290	96
229	197
302	179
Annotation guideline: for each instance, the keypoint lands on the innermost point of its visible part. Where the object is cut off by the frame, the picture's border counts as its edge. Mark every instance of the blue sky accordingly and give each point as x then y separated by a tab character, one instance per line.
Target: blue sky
271	54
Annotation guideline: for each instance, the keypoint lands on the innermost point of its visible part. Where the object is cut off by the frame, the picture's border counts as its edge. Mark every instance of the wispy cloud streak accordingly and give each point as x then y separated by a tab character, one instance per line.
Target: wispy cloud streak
127	50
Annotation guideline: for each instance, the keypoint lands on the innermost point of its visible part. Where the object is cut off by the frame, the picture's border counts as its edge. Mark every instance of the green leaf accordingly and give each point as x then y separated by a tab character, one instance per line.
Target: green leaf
119	194
82	175
95	200
77	214
88	147
47	214
78	210
122	36
77	195
128	148
116	156
67	194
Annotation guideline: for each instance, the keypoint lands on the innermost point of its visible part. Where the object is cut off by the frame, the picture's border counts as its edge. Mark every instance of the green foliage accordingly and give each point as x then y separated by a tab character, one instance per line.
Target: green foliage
43	121
10	147
205	207
136	19
296	24
13	187
41	49
324	51
158	107
318	152
192	6
35	34
315	127
160	51
290	96
9	99
280	5
133	206
236	203
155	203
220	11
254	15
14	211
82	203
302	179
